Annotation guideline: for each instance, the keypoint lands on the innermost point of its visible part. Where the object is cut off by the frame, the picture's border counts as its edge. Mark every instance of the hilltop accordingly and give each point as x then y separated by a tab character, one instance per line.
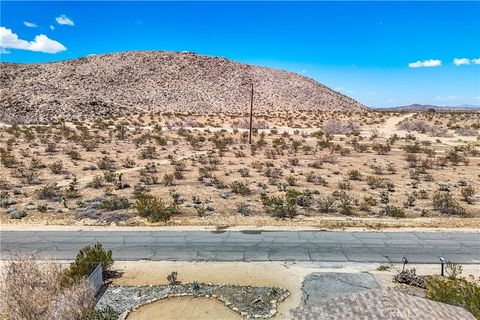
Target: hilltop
155	81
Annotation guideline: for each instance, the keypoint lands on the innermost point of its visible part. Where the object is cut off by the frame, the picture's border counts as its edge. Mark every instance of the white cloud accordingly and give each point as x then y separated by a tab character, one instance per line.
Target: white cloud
41	43
64	20
29	24
460	61
52	27
448	98
475	61
425	63
4	51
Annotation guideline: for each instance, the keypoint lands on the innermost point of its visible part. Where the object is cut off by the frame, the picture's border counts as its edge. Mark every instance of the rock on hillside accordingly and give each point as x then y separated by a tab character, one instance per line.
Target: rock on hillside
131	82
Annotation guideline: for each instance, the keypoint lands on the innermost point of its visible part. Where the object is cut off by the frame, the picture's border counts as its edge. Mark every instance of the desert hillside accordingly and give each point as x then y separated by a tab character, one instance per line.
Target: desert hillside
130	82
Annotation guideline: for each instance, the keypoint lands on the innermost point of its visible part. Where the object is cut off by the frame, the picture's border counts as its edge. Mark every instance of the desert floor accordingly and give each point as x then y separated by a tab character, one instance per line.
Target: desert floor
332	170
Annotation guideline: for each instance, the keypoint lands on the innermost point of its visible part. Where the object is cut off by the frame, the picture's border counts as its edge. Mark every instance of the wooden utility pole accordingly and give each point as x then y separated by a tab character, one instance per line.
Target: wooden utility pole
251	116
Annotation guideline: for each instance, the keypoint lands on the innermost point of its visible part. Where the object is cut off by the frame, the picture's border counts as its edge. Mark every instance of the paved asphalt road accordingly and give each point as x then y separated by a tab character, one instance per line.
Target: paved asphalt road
418	247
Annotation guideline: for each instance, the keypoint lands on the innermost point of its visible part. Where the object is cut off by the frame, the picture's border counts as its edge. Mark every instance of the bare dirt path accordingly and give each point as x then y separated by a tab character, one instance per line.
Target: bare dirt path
390	125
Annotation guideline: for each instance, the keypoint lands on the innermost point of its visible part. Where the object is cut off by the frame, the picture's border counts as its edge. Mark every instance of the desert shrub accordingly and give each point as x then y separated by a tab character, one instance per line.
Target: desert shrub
148	153
110	176
345	204
315	178
168	179
7	158
51	147
128	162
361	147
4	199
73	154
326	204
90	144
413	148
240	188
17	213
280	207
458	291
178	174
467	132
29	287
414	125
338	127
96	183
273	172
468	193
291	180
56	167
121	129
455	157
393	211
294	161
147	177
344	185
376	182
106	164
244	172
443	201
114	203
381	149
354	175
410	200
85	261
244	209
218	183
49	191
367	203
72	191
107	313
153	208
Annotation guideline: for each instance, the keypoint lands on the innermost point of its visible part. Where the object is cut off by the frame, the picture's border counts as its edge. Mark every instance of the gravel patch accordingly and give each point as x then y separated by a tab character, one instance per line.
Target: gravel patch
250	302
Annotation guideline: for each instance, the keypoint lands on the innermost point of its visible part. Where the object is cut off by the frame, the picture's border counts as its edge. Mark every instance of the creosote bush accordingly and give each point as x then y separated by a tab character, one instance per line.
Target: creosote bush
443	201
240	188
154	209
456	291
393	211
115	203
85	261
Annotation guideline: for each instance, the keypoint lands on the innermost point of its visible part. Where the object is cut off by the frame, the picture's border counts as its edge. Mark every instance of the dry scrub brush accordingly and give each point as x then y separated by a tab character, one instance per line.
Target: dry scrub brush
34	290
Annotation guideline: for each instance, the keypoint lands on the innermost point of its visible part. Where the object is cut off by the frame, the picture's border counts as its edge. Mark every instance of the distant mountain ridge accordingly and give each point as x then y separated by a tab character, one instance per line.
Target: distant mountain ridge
425	107
159	81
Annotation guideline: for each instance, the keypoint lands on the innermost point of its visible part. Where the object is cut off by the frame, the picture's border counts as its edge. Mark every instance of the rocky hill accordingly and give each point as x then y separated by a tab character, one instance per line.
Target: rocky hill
130	82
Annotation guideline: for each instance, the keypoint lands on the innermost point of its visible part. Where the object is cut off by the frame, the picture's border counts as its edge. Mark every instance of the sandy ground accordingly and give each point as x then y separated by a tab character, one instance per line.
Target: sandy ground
288	276
449	227
184	309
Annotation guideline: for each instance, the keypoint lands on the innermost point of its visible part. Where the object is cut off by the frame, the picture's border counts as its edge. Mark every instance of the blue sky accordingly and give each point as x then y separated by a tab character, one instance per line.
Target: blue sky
381	53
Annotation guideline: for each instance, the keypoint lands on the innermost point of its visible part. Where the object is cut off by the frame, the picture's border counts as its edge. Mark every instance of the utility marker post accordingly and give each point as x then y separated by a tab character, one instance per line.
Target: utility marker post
251	116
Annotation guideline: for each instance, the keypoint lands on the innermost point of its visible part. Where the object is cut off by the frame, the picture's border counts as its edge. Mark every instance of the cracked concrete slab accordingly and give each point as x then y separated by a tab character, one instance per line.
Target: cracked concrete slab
324	285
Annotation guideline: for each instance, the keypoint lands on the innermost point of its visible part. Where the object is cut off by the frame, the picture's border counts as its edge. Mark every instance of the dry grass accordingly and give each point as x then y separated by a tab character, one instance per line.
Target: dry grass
33	290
